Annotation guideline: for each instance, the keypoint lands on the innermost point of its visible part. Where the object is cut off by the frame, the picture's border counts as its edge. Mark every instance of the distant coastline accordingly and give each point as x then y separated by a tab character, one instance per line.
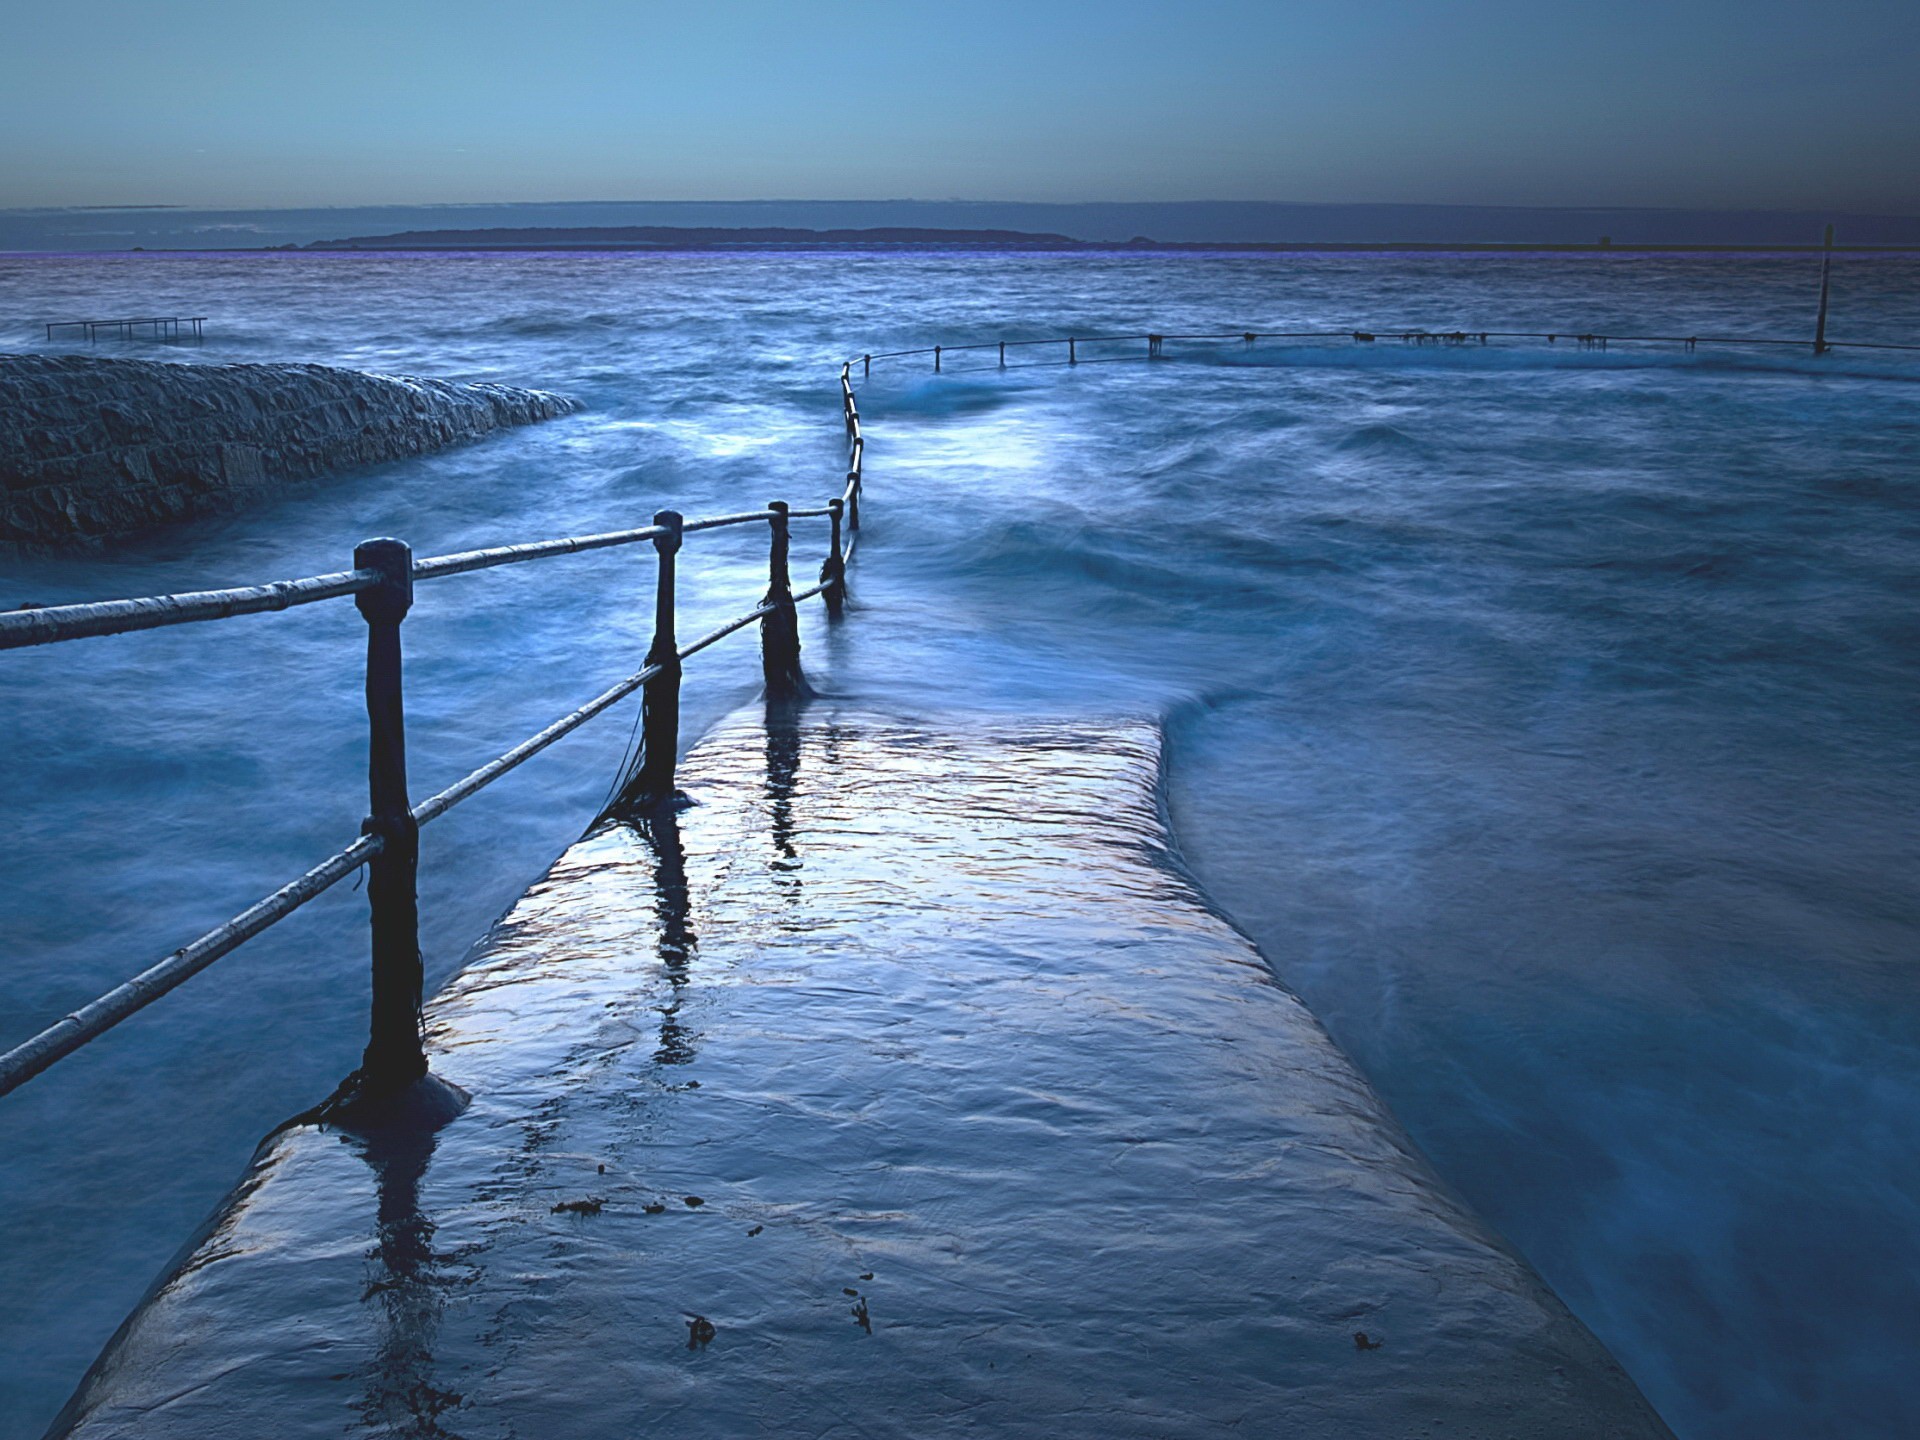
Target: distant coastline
1251	226
898	237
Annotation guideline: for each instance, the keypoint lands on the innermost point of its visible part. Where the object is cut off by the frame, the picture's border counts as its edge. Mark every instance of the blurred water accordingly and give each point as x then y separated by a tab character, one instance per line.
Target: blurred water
1545	715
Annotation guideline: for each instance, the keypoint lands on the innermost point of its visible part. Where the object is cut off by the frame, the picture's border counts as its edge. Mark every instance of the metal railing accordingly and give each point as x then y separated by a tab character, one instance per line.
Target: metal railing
382	583
1587	339
1156	342
158	327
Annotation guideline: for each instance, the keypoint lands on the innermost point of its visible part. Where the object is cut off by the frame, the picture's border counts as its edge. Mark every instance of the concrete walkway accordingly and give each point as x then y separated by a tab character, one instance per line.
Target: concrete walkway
904	1087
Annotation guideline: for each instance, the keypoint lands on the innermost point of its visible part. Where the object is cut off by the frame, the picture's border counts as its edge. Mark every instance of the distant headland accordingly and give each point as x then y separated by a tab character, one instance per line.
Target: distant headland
693	237
895	237
960	224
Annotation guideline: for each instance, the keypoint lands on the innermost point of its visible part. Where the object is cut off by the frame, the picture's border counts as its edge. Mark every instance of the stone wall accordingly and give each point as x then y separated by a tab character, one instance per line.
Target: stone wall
93	450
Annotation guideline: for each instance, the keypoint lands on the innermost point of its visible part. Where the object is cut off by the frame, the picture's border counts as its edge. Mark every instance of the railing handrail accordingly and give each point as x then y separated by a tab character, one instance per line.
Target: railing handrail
50	624
123	320
1369	334
382	584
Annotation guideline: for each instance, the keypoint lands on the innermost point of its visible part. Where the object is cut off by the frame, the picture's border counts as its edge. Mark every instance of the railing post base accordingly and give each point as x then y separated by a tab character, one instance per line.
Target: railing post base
419	1107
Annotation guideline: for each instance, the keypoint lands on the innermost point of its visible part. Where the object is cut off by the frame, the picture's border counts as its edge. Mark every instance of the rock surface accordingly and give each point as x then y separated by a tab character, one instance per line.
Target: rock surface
902	1086
94	449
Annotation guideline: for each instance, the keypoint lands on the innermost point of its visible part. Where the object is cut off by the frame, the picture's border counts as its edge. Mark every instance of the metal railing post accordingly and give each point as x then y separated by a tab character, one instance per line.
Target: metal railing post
866	366
936	359
394	1057
780	626
1820	346
660	696
833	571
1073	352
1003	354
853	500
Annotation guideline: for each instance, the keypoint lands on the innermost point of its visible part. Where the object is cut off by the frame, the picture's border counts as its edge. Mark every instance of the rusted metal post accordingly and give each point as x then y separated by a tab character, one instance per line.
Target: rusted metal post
1820	346
780	626
833	572
394	1058
660	696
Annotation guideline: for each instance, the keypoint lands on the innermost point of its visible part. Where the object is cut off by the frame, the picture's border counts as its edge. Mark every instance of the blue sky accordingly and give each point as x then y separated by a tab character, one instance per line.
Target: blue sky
1689	102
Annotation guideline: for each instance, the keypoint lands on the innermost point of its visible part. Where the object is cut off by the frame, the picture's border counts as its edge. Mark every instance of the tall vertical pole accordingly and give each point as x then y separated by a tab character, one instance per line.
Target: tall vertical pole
834	571
394	1056
780	626
660	696
1820	346
853	500
936	359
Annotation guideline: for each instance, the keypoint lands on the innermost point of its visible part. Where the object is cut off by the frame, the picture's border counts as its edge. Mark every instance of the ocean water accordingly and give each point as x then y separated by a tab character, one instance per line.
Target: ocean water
1546	716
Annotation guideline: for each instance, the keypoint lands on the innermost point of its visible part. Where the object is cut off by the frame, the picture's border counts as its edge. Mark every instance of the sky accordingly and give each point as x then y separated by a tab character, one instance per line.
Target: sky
1803	104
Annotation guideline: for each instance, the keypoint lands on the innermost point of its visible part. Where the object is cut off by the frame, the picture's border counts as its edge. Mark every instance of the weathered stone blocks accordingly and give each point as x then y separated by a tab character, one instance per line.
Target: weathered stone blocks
94	450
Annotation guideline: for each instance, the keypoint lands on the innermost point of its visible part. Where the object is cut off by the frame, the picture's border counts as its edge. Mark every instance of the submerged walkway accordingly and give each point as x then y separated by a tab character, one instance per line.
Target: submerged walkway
901	1087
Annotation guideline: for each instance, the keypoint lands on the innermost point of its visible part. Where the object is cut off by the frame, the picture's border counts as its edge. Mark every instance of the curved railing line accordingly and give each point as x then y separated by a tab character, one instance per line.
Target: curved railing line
714	636
470	560
48	624
478	780
383	577
70	1032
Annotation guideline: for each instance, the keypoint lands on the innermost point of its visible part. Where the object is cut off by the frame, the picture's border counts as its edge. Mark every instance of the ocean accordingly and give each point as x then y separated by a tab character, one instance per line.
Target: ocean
1546	715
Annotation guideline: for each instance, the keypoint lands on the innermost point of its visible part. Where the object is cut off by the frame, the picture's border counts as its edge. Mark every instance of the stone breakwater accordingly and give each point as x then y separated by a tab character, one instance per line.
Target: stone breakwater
93	450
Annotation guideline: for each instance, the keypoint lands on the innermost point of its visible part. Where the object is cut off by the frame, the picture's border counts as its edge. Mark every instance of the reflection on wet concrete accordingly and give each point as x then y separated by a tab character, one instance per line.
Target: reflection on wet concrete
981	1122
783	727
659	830
408	1288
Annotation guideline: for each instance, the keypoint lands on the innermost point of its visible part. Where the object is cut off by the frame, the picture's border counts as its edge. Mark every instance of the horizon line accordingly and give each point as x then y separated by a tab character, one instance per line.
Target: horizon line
1585	208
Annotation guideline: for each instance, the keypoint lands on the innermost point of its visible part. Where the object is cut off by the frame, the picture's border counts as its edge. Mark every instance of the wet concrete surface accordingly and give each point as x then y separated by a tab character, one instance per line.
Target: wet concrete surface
900	1086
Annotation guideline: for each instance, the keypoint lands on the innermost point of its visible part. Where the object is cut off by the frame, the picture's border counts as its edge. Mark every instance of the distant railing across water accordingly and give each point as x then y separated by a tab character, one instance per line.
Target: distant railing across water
382	583
1584	339
156	327
1156	343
